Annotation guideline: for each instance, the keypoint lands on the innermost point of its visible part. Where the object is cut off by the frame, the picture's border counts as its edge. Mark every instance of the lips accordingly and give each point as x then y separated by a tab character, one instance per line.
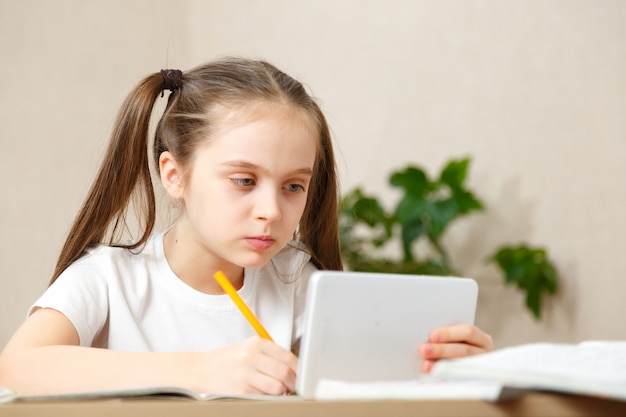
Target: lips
261	242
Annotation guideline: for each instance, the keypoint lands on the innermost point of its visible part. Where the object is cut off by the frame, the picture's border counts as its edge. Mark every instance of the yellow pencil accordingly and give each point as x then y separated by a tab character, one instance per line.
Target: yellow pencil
245	310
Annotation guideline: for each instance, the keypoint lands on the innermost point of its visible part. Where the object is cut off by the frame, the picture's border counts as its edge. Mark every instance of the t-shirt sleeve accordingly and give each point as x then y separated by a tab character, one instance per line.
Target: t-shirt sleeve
79	293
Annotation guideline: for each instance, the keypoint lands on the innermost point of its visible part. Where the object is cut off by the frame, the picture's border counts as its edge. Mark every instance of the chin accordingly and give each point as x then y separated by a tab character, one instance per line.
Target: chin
255	262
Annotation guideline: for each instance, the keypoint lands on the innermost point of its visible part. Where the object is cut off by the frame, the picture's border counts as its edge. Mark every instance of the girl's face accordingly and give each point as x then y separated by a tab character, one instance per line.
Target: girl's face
247	186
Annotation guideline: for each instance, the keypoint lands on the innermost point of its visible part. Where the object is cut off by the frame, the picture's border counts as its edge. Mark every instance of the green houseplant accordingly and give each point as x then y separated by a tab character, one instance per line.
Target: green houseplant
424	212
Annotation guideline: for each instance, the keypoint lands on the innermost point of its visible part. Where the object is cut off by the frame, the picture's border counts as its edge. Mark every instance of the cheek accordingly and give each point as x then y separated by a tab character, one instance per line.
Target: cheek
205	201
298	210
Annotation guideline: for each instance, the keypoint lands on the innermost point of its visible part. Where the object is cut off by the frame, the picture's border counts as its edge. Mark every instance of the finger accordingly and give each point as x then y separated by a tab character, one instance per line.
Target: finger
273	377
267	385
253	382
279	354
427	365
280	372
463	333
448	350
279	365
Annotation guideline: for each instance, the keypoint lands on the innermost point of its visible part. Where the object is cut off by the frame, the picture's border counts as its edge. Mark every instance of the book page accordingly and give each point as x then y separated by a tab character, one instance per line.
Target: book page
593	368
137	392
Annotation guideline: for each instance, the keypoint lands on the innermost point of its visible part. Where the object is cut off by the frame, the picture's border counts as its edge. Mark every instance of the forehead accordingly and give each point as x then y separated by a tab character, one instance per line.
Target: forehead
275	134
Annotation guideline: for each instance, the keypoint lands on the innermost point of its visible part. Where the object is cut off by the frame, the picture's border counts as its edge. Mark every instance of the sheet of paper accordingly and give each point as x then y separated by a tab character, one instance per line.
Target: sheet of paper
419	389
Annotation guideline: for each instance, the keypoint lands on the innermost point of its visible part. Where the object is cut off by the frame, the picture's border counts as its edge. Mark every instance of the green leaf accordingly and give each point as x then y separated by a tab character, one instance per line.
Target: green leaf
358	208
530	270
454	173
410	232
466	202
413	180
533	301
410	208
441	213
365	209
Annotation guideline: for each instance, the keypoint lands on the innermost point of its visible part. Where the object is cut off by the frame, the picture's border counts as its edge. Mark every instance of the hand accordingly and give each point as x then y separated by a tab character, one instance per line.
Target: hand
454	342
253	366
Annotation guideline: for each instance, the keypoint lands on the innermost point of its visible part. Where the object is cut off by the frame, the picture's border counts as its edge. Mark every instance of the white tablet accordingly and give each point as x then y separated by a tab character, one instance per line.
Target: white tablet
365	327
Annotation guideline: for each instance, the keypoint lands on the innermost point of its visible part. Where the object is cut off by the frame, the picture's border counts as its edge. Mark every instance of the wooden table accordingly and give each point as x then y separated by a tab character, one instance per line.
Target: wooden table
531	404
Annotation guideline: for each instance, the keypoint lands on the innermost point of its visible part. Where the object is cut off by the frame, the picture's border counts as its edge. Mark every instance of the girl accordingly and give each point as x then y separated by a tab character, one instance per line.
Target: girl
248	154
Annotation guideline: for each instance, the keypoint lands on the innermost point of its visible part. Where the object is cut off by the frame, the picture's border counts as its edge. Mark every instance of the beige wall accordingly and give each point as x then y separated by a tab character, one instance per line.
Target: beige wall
533	91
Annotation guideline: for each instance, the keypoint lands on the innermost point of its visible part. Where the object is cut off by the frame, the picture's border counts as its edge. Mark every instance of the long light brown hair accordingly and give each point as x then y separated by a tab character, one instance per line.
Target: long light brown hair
124	176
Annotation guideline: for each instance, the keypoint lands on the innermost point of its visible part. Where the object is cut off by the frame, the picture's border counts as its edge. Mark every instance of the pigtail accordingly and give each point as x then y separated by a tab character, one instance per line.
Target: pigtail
123	178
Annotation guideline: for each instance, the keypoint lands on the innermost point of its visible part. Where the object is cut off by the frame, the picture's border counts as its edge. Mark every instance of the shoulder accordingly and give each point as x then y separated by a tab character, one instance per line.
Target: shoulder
108	262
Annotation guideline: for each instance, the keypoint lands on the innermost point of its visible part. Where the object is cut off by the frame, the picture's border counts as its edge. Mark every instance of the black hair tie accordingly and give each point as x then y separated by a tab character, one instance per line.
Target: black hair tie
172	80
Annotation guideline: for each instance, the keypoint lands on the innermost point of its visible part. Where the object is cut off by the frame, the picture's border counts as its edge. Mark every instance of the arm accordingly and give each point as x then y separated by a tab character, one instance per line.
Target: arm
454	342
44	357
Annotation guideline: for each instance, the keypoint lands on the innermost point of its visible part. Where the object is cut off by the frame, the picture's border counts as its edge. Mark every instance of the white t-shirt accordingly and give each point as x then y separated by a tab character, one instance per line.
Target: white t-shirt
134	302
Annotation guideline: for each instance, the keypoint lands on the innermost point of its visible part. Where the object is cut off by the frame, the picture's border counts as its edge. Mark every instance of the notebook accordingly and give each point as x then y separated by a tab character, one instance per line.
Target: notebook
366	327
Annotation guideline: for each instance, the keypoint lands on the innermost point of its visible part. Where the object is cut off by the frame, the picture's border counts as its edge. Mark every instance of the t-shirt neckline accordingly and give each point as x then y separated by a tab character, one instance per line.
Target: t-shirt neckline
176	286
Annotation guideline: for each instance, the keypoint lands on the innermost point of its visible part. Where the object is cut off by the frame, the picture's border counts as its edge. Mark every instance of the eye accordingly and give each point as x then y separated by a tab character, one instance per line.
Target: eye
243	182
294	188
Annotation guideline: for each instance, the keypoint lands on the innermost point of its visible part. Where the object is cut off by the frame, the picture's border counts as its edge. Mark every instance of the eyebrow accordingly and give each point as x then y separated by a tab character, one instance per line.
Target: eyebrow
244	164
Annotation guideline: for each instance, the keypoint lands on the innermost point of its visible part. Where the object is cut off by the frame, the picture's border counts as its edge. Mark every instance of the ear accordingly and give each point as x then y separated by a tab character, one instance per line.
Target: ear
171	175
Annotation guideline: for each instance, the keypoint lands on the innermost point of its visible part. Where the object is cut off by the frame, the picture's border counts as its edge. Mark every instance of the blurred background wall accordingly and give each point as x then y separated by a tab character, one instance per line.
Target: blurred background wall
532	91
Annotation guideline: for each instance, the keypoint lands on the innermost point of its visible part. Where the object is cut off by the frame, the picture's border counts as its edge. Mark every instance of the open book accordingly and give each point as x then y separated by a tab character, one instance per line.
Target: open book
590	368
419	389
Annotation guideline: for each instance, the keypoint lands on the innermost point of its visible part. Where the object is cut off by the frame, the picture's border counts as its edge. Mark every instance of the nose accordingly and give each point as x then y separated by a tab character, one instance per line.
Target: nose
267	206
